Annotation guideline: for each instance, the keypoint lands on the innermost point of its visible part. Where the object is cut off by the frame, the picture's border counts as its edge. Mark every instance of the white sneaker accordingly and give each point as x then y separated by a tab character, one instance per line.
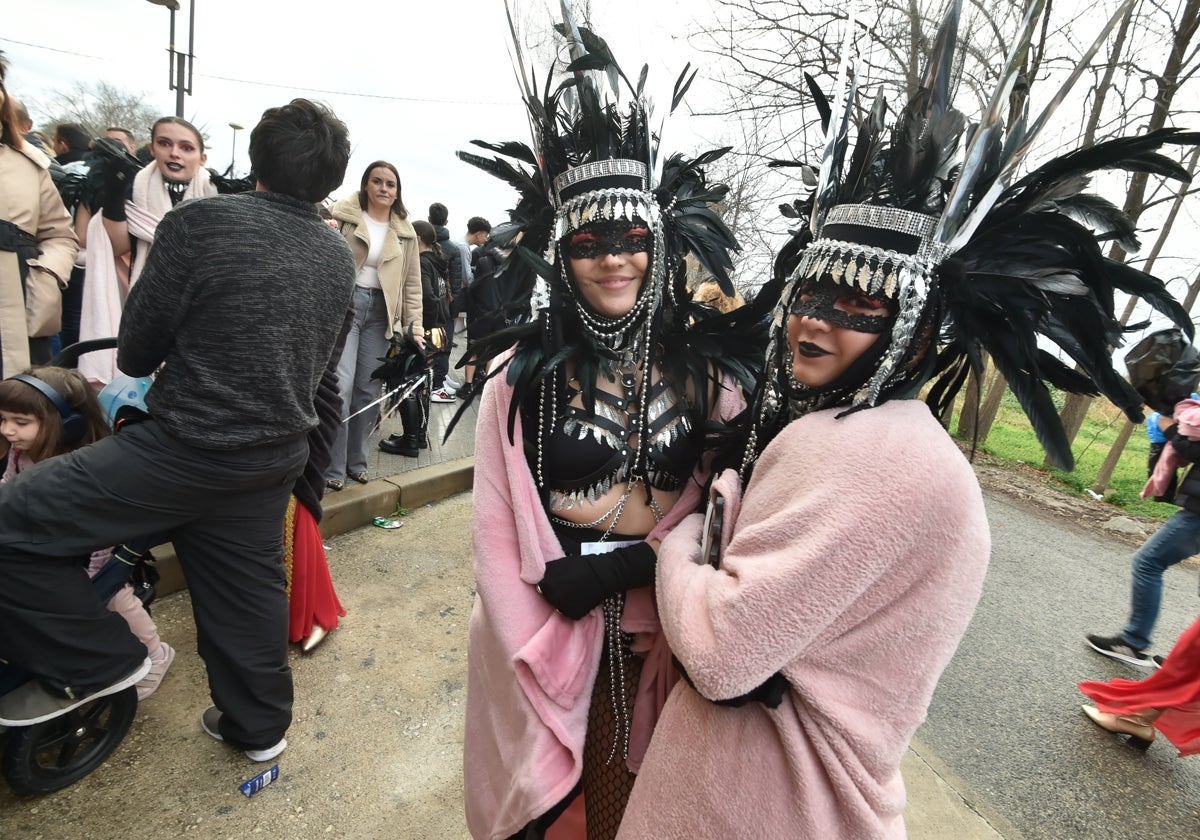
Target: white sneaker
441	395
210	722
158	669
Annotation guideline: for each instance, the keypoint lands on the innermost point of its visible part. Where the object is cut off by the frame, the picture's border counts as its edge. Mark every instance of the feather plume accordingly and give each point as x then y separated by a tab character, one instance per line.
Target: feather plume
579	117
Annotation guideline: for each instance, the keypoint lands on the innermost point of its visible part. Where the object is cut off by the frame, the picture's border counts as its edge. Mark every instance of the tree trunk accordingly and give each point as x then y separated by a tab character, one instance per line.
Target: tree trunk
1076	406
1189	299
991	405
1114	455
1089	133
1075	409
968	417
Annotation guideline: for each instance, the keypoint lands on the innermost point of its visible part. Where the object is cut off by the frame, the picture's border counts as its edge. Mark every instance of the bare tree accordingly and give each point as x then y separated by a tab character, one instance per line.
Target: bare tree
102	105
761	50
1179	66
750	199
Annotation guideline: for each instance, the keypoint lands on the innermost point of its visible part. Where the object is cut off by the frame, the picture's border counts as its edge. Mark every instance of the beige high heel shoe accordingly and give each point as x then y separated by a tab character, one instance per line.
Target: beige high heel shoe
1140	731
314	638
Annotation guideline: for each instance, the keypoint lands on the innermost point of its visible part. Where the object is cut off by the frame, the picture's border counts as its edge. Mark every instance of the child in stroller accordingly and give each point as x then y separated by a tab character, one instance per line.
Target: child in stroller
46	412
36	427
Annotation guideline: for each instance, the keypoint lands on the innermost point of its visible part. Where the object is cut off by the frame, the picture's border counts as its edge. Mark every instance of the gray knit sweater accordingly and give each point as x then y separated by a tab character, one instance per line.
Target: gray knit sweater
241	300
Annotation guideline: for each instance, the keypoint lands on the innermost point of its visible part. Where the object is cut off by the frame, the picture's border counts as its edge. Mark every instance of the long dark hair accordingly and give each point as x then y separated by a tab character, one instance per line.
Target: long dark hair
428	235
397	205
10	135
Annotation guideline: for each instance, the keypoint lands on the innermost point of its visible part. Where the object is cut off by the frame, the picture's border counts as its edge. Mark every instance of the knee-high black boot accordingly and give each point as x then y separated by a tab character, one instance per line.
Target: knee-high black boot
413	420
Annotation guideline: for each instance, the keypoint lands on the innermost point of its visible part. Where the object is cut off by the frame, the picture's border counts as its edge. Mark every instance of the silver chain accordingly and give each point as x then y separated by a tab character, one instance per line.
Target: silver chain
614	606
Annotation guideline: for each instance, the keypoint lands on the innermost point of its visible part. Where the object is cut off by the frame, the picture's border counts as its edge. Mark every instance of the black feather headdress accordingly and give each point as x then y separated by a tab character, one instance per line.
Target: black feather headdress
595	158
974	262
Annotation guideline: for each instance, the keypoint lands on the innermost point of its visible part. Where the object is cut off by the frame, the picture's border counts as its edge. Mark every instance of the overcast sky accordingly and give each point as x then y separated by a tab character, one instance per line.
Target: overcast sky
413	81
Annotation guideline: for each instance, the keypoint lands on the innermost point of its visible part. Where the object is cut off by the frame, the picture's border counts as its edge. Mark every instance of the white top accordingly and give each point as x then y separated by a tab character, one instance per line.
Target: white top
377	232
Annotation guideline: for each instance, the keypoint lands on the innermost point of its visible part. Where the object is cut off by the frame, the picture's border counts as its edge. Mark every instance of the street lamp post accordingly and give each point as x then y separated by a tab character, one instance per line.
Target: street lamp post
180	64
233	151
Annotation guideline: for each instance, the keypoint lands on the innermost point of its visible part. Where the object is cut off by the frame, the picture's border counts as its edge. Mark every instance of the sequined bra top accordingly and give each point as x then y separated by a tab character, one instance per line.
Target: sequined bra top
587	454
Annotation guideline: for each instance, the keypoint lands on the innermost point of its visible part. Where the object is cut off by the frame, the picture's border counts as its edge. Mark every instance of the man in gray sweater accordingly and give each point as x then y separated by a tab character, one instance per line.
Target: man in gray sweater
238	308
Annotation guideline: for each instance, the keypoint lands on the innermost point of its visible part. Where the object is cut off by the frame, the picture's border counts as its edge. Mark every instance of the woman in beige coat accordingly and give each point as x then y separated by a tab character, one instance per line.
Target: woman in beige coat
387	298
37	248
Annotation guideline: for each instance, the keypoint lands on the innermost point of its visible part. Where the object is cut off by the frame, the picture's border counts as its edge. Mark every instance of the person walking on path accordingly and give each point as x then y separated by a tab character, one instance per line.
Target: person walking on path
1168	701
1177	540
233	310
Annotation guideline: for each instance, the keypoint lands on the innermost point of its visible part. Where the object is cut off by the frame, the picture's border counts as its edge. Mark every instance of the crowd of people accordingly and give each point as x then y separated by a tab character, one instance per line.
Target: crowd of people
91	248
707	530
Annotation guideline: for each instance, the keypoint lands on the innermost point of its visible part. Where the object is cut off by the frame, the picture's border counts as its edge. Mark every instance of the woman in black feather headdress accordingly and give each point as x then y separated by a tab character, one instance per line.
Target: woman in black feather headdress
594	411
851	565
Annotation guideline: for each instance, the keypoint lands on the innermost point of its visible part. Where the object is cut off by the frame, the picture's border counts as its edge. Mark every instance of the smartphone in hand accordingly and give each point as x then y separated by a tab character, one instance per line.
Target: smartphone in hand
714	521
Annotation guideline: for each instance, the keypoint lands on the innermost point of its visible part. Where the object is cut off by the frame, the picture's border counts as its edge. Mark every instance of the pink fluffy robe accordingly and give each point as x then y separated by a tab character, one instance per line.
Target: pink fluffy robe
855	564
530	670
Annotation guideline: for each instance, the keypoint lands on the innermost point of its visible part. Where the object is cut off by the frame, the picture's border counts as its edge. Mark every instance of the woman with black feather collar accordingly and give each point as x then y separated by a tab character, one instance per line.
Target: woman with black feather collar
594	412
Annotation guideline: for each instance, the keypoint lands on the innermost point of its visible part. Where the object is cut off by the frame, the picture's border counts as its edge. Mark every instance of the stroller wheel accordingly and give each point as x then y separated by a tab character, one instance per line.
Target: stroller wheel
55	754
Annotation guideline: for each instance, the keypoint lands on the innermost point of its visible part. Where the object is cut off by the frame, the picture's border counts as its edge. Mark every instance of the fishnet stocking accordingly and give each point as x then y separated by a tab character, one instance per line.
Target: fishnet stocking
606	787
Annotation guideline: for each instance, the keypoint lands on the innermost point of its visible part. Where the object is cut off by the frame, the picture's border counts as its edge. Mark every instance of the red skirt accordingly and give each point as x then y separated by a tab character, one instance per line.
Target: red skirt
311	598
1174	688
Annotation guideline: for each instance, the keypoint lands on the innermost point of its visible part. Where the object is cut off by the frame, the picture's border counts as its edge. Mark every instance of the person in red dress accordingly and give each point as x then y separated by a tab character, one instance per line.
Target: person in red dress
1168	701
313	605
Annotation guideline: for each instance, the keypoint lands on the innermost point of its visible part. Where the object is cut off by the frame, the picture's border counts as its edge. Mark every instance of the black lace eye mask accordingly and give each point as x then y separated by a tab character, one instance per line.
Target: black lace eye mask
597	240
846	308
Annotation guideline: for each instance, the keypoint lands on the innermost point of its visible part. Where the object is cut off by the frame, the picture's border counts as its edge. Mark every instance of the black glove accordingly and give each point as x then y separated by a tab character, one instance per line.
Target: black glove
578	583
116	186
770	693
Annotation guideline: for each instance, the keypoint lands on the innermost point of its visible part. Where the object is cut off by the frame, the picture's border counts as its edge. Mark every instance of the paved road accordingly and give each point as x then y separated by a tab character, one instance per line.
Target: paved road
1006	716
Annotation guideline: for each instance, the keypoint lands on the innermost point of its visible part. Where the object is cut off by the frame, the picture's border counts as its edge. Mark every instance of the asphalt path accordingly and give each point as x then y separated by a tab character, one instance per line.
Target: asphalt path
1006	717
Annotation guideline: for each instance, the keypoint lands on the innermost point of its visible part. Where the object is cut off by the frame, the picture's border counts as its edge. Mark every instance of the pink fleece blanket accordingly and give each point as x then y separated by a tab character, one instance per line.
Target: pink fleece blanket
855	563
530	670
1187	415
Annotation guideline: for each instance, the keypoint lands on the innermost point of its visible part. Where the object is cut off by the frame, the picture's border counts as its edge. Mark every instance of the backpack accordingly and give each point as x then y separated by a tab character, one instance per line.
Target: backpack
441	291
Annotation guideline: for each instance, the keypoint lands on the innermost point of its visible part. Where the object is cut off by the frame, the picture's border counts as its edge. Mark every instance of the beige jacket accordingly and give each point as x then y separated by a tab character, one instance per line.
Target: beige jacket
399	265
29	200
